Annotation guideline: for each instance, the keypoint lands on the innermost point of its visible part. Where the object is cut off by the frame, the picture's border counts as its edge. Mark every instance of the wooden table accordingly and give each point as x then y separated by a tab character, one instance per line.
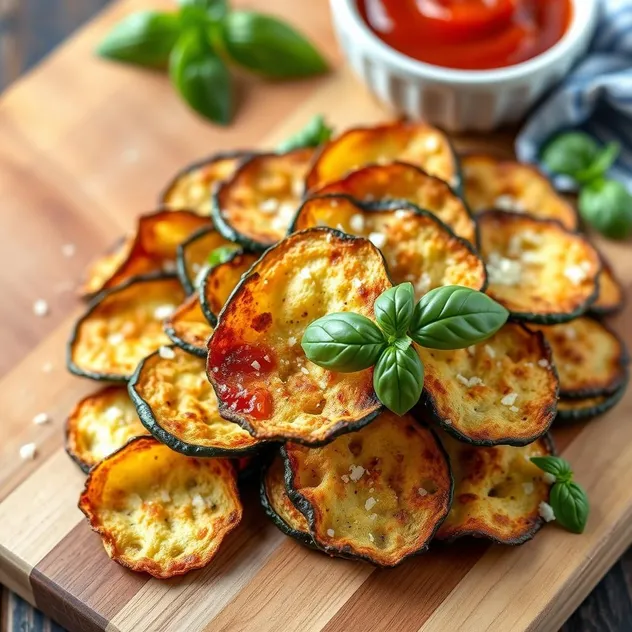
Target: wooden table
42	219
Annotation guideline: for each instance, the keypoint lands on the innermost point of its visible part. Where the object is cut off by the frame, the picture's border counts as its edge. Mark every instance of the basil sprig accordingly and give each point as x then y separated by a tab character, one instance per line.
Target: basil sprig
197	41
568	499
220	255
315	133
450	317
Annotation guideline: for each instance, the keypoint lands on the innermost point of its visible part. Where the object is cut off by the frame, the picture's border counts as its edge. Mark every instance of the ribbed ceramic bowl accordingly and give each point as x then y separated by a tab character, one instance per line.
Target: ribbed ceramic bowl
458	100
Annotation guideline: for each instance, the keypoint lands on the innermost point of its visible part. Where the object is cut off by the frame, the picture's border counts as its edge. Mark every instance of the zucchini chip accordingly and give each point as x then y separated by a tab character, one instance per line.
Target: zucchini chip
277	504
218	283
505	185
590	358
611	296
176	403
569	410
255	207
158	511
193	187
188	328
100	424
192	256
401	181
538	270
497	491
414	143
122	326
417	246
102	269
256	364
502	391
378	495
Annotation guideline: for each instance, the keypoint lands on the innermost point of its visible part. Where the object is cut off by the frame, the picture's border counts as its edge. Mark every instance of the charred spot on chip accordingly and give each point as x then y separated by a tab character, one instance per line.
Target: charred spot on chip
417	246
100	424
505	185
574	410
122	326
611	295
364	505
188	328
158	511
256	205
502	391
497	491
262	378
536	268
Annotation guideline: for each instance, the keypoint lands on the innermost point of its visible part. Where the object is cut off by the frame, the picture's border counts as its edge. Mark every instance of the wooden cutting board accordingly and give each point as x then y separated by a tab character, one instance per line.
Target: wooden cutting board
84	147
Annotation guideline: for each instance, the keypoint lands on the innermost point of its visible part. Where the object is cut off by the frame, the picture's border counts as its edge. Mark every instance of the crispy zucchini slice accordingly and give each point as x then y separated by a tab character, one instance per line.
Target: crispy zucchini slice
255	207
414	143
538	270
218	283
401	181
497	491
158	511
102	269
503	391
256	364
570	410
590	358
192	256
378	494
177	405
611	297
490	183
277	504
193	187
188	328
122	326
100	424
417	246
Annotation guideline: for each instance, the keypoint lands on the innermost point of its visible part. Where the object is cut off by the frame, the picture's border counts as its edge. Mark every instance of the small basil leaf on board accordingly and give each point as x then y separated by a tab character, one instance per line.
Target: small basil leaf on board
398	379
454	317
394	309
570	153
559	467
145	38
344	342
268	46
601	163
315	133
606	205
570	505
201	77
220	255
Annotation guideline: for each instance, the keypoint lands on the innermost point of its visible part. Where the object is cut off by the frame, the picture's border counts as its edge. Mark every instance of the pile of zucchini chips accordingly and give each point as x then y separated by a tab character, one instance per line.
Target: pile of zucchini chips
195	325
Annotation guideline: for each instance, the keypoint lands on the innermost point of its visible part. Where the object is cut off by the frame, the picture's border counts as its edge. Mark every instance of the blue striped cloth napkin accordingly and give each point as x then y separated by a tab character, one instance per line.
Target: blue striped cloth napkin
596	97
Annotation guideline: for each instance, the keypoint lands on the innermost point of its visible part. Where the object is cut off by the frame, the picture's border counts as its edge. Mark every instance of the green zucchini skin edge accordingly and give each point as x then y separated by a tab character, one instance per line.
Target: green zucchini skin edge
200	352
108	377
305	507
429	409
149	421
181	268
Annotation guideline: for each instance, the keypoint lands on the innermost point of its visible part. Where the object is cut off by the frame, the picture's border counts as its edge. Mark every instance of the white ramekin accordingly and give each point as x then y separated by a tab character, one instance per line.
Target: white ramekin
458	100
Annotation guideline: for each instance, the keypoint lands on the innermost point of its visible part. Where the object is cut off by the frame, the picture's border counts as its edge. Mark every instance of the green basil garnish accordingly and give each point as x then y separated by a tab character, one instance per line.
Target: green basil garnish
394	309
559	467
315	133
398	379
607	206
221	255
570	153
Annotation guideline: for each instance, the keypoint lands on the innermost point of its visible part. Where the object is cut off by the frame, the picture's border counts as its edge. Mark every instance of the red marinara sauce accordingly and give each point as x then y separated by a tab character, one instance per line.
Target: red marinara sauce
468	34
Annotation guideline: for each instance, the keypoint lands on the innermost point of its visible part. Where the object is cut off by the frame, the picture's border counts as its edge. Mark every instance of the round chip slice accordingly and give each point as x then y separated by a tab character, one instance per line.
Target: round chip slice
590	358
538	270
497	491
188	328
570	410
256	364
121	327
378	494
401	181
177	405
102	269
611	296
158	511
502	391
100	424
417	246
255	207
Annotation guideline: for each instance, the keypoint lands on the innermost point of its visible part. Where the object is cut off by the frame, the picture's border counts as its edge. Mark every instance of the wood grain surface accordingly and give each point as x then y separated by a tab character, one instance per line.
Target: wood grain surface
83	149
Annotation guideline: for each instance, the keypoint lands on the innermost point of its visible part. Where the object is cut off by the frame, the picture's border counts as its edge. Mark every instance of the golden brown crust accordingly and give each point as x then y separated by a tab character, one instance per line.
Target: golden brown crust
188	328
611	296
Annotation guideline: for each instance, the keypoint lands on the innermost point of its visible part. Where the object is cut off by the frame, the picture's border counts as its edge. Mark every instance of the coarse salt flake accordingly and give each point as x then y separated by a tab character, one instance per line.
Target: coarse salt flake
490	351
549	478
331	533
469	382
255	365
291	341
198	501
509	399
543	362
577	273
304	370
345	478
356	223
163	311
40	419
377	239
165	496
28	451
40	307
269	206
166	353
373	516
356	472
370	503
514	409
528	488
115	339
546	511
422	492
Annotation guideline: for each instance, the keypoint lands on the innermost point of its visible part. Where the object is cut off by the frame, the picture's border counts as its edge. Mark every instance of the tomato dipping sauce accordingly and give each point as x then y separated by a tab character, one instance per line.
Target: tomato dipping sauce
468	34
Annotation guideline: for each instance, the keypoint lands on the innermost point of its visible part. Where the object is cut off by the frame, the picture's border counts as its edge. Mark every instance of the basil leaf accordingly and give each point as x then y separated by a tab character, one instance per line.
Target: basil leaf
268	46
454	317
394	309
144	38
607	206
398	379
201	78
600	164
570	505
570	153
315	133
345	342
559	467
220	255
